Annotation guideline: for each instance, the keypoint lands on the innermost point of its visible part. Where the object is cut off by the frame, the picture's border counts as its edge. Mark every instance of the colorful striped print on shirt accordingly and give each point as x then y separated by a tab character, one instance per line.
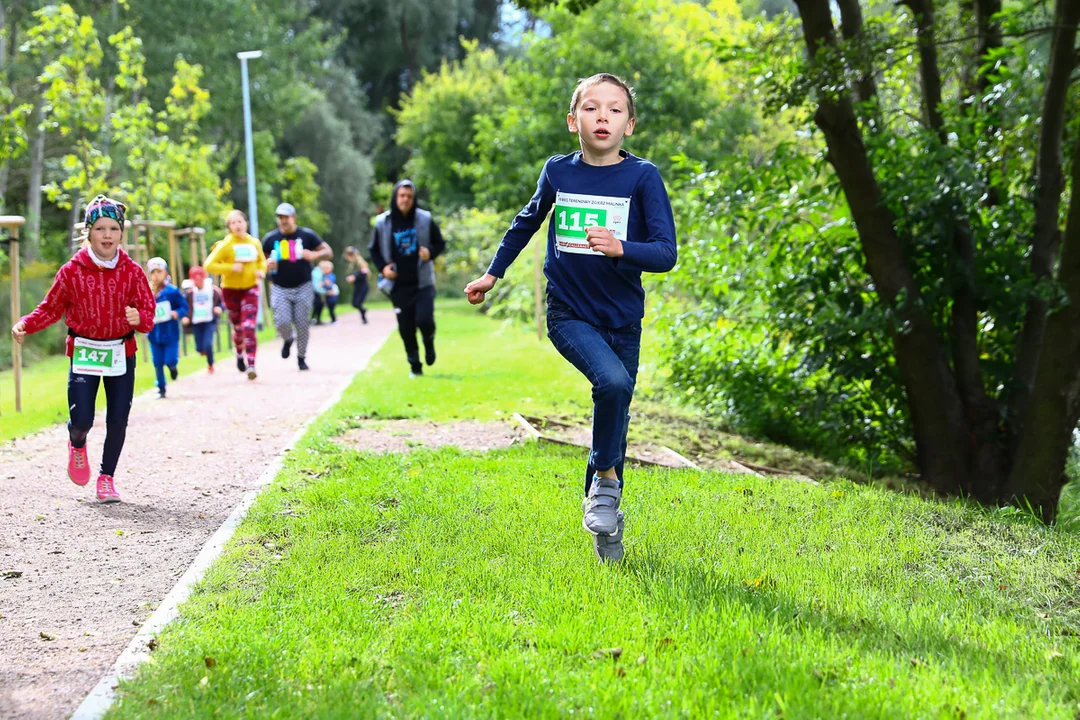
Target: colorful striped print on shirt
289	250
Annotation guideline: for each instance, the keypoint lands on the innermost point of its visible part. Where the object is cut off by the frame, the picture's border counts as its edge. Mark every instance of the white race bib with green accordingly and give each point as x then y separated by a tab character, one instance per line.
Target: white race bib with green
245	253
574	213
163	312
202	306
99	357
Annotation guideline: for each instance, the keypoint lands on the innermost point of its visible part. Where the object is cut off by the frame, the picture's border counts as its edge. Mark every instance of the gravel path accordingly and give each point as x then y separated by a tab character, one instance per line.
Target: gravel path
76	577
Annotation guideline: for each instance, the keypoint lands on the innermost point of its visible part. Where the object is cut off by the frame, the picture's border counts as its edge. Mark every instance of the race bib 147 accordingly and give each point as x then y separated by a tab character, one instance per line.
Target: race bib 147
574	214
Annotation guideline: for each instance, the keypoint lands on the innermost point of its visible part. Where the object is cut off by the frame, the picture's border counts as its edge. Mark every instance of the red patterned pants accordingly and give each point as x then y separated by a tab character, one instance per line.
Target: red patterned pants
243	307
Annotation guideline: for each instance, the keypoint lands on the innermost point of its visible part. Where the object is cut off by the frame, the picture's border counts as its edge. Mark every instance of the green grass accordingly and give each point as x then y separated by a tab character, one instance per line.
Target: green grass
44	387
447	583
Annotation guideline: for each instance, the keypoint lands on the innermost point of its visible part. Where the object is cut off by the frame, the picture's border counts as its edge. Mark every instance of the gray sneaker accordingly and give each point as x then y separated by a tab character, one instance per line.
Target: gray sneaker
601	506
609	548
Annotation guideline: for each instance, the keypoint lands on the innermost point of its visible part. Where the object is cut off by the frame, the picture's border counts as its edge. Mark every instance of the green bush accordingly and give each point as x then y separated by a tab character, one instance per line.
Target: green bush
34	282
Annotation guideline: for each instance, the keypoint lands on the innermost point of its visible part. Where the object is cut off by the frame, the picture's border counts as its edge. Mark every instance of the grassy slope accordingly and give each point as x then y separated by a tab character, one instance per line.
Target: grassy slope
454	584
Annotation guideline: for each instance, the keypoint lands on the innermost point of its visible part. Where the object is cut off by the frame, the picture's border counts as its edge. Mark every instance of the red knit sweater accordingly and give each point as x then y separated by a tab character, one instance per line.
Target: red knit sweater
93	300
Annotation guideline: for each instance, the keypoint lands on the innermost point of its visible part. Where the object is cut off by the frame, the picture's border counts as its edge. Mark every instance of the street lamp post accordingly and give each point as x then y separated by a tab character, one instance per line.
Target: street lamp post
252	208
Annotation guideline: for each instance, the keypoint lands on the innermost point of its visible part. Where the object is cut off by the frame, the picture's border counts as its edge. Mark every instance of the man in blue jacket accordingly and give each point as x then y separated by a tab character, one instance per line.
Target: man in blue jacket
165	337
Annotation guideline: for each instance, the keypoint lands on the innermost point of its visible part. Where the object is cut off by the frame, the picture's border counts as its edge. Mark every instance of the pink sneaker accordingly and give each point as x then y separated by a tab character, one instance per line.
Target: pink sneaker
106	489
78	465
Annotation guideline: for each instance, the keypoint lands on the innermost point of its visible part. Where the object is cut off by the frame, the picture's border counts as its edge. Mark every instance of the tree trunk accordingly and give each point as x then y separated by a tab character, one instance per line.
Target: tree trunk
1049	183
943	444
1053	408
33	199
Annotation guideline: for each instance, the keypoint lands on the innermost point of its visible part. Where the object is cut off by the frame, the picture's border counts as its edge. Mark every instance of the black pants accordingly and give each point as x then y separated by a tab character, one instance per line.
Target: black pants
415	309
82	397
359	294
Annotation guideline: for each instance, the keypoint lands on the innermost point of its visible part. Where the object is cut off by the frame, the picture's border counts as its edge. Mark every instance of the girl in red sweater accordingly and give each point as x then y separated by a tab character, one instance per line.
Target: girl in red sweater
104	297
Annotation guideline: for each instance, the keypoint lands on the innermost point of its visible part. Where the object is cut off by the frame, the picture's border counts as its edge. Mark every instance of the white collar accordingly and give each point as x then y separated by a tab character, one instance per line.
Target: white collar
107	264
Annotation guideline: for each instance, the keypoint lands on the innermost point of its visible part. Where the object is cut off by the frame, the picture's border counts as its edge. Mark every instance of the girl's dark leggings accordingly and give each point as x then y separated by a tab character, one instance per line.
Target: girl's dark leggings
82	397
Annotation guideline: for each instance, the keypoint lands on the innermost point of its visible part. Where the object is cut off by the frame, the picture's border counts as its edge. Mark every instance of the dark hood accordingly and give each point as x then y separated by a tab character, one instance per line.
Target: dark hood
395	213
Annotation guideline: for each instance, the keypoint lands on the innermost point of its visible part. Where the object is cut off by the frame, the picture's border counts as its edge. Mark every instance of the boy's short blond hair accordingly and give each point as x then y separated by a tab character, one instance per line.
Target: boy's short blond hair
593	80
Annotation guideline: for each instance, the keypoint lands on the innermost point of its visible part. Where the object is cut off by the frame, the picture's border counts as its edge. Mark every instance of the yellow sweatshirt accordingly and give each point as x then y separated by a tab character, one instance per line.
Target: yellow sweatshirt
223	256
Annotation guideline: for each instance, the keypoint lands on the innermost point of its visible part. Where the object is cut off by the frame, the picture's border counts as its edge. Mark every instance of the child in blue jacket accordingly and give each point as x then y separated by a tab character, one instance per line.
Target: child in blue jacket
165	337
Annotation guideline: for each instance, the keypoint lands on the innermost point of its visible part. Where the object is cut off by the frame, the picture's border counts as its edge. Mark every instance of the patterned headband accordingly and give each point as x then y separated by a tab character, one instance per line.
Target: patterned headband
102	206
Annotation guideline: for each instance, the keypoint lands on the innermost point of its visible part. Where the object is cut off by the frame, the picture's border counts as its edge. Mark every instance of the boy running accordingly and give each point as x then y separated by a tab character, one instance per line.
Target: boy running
612	221
165	337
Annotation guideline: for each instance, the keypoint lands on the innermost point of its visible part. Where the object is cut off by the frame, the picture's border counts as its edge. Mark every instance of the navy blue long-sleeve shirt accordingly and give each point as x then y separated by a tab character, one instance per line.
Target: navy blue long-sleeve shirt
628	198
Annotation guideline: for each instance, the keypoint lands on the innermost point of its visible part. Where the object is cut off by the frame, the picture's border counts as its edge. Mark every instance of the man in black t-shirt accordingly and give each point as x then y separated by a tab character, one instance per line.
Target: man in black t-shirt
290	250
403	248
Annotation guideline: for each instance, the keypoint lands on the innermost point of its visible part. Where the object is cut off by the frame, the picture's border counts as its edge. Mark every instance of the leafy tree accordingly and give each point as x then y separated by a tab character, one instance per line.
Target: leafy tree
388	45
437	121
344	173
665	48
74	101
945	285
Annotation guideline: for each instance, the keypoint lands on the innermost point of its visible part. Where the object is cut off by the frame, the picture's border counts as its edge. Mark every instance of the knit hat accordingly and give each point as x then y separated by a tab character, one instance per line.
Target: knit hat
102	206
156	263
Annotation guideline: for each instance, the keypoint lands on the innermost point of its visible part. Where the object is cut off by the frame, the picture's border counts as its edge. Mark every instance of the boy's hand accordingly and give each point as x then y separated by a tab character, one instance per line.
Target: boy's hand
18	332
477	289
271	264
309	255
132	316
185	321
238	267
425	254
259	275
389	273
601	240
175	315
350	279
217	311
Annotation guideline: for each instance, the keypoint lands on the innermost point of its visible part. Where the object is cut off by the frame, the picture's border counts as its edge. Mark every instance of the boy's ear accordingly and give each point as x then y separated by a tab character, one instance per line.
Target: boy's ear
571	123
630	127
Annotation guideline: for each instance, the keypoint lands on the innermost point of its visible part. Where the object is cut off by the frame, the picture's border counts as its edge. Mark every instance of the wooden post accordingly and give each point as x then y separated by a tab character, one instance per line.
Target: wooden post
13	223
538	273
142	257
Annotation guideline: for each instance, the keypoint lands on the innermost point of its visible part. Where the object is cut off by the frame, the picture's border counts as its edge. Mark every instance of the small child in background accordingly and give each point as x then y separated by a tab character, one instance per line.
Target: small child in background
330	288
205	304
358	272
165	337
319	301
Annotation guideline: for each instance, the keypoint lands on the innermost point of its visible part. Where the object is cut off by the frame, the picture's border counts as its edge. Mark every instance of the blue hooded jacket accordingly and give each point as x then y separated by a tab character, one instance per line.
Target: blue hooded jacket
169	332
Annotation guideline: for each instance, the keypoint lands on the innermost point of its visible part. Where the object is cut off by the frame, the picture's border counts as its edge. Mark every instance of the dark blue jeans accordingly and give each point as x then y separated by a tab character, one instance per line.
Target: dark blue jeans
164	355
82	399
608	357
204	340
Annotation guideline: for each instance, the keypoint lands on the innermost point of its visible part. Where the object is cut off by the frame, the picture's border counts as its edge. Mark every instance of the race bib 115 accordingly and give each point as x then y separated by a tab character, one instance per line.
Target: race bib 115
574	214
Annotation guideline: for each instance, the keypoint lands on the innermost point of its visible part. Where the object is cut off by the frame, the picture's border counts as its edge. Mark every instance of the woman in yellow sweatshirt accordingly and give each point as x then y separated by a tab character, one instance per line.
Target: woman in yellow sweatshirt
240	261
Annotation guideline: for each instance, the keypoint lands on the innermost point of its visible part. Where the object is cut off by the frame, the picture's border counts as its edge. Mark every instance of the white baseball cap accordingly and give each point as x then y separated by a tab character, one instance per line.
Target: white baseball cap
285	209
156	263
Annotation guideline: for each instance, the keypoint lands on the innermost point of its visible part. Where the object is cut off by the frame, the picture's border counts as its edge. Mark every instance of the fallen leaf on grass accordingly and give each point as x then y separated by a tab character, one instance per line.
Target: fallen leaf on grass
613	653
210	662
152	644
620	672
